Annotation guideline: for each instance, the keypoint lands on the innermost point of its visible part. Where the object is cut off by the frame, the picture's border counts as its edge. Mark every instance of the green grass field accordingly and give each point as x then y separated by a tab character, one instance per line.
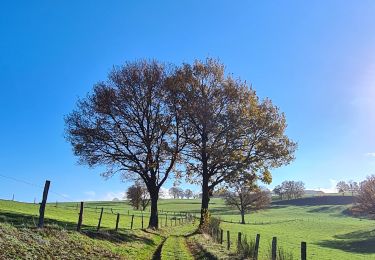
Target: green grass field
329	231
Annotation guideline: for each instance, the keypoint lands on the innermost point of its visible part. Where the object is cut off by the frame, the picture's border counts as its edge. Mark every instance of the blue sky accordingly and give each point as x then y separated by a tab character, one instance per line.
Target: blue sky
314	59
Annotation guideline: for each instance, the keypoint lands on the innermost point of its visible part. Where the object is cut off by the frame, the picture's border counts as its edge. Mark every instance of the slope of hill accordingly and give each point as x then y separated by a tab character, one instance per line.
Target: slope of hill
319	221
316	201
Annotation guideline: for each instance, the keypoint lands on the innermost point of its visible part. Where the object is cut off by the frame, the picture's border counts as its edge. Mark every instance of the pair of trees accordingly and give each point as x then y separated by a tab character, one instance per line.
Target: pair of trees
176	192
350	186
290	189
138	196
149	117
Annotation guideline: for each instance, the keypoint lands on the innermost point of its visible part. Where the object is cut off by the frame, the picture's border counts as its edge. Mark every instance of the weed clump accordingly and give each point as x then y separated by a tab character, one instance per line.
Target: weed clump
281	254
246	249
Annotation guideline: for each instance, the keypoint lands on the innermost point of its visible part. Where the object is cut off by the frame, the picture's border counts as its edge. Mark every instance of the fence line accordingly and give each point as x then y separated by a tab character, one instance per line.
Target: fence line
108	215
241	243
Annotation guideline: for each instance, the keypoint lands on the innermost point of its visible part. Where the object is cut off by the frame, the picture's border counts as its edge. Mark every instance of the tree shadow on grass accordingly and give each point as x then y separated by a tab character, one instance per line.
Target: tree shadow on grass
317	201
199	252
19	220
333	210
355	242
195	232
116	237
30	221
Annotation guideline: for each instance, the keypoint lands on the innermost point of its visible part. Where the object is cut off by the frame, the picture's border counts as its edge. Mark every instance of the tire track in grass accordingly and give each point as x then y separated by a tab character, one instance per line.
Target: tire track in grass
199	252
174	245
175	248
157	254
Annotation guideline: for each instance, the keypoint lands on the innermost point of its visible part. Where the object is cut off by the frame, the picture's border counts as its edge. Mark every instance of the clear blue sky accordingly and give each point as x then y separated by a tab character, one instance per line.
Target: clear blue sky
314	59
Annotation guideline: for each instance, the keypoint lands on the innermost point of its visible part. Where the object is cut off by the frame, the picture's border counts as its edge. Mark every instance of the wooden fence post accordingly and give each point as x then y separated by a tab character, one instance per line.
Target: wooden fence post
303	251
131	225
80	218
274	248
228	240
142	220
256	250
117	220
239	243
166	220
221	236
100	219
175	221
43	204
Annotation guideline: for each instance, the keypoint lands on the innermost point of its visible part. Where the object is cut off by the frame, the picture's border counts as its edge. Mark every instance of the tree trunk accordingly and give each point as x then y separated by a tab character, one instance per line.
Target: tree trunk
154	218
242	217
153	223
205	201
205	180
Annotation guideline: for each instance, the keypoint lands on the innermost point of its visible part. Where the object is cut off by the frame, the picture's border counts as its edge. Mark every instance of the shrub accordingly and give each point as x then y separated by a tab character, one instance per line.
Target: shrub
211	225
205	228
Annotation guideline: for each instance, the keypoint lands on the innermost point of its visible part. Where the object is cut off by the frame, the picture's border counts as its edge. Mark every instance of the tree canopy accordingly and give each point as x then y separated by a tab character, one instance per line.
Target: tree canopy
342	187
246	196
138	196
229	130
130	125
290	190
365	201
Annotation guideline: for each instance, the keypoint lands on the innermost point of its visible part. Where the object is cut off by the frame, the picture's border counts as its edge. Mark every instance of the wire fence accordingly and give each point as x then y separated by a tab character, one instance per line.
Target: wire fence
97	216
283	248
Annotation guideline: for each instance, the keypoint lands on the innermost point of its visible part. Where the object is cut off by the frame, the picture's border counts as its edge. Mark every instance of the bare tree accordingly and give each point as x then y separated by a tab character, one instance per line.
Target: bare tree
229	130
138	196
366	196
130	124
279	191
353	187
342	187
188	193
246	197
290	189
176	192
298	189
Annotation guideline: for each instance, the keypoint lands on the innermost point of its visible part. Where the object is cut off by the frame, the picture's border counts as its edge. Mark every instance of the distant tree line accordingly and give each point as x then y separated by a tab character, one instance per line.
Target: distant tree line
350	186
178	193
290	190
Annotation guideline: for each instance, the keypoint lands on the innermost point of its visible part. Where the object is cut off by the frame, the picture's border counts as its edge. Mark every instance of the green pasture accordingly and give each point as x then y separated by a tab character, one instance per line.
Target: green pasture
325	224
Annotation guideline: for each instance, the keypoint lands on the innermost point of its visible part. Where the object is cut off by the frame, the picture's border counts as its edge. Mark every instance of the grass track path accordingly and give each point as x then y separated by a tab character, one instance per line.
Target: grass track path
175	247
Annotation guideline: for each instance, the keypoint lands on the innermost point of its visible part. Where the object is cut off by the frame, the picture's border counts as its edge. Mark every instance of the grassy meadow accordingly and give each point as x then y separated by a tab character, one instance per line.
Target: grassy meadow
322	222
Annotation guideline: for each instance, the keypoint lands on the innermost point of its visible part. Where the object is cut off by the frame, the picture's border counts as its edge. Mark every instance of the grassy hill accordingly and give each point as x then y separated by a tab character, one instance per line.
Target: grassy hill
322	222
